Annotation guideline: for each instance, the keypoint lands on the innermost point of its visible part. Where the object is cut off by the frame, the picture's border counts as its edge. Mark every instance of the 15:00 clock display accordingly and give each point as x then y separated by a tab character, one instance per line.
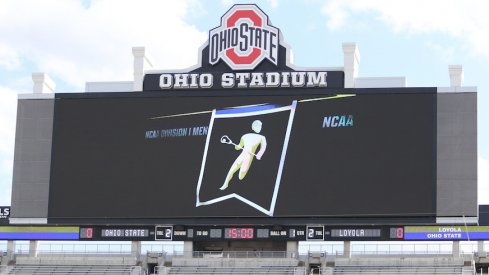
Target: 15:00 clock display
239	233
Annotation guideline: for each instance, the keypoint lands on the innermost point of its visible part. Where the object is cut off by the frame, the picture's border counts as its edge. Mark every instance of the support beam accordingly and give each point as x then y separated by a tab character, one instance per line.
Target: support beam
141	63
42	83
456	249
292	249
347	249
351	60
33	248
136	248
456	73
188	248
481	249
10	250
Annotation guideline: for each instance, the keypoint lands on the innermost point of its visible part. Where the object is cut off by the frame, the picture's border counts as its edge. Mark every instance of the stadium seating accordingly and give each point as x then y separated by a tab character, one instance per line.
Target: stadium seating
73	270
240	263
397	270
424	266
232	270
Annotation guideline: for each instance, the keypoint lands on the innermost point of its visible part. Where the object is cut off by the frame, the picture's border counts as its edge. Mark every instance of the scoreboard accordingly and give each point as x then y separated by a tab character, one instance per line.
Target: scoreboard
243	233
161	158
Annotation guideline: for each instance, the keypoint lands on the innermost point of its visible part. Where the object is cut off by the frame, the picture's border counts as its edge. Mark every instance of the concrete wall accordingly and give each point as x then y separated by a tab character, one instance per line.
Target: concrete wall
32	160
456	154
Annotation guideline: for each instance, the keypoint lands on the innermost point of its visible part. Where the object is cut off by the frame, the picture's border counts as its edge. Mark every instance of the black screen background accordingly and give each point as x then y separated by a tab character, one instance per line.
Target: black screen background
103	167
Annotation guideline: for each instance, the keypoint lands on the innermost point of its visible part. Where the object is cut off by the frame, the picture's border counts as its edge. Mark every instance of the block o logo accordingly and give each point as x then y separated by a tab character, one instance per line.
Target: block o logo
244	38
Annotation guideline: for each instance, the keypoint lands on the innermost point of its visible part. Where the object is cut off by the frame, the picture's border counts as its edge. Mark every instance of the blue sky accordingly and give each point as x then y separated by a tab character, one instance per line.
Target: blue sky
80	40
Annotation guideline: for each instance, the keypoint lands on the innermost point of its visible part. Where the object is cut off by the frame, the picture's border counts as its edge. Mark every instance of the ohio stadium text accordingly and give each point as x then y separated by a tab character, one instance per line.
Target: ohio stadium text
244	80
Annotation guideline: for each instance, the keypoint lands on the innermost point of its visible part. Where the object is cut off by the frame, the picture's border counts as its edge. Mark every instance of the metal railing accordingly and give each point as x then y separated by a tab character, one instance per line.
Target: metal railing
398	270
88	269
109	248
162	270
78	253
164	246
70	248
235	254
332	248
391	248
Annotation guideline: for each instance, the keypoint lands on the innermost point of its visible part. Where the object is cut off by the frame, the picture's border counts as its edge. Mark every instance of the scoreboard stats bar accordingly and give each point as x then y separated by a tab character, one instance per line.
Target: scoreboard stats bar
446	233
246	233
39	233
379	233
241	232
117	233
256	233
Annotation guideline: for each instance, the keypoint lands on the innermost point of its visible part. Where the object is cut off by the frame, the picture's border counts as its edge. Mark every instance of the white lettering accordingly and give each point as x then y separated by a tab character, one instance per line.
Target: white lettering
449	229
206	81
193	81
334	122
351	232
227	80
242	77
166	81
316	79
338	121
285	79
298	79
273	79
181	81
257	80
243	80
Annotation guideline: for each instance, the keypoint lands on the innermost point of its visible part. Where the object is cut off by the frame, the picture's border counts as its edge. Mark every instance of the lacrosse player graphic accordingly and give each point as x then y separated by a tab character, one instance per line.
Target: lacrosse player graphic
249	143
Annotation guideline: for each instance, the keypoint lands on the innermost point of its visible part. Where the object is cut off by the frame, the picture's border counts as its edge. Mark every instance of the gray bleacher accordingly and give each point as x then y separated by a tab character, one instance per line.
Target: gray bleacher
234	262
73	270
284	270
419	266
351	270
239	263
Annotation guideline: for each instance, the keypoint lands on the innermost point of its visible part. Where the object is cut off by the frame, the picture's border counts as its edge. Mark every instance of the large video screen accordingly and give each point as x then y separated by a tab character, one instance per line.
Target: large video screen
353	153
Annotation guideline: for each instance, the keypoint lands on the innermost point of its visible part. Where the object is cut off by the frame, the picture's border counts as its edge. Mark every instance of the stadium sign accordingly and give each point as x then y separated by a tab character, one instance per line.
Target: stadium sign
245	80
244	39
244	51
